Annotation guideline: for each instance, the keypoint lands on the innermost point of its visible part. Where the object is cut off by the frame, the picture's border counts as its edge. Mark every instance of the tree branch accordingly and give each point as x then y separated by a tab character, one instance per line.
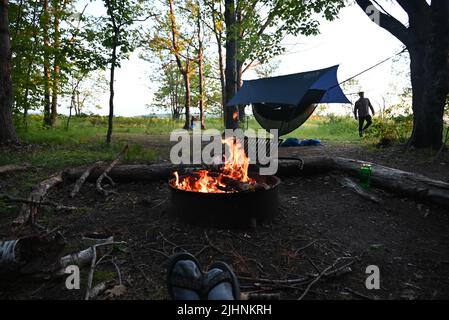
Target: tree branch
389	23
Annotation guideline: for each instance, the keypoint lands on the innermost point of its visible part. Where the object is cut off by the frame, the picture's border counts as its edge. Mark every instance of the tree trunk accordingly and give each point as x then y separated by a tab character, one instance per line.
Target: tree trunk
183	70
430	80
428	103
47	73
111	92
428	44
7	131
56	67
231	63
222	74
241	108
187	98
200	69
219	37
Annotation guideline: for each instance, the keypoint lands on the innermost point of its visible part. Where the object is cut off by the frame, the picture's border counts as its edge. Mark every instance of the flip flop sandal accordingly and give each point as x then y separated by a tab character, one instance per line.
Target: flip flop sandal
187	281
227	275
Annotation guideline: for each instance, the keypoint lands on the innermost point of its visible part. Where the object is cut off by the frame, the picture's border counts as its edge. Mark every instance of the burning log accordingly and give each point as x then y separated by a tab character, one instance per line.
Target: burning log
36	196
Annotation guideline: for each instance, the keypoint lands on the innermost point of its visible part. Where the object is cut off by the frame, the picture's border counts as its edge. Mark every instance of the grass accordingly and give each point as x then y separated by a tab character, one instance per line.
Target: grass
84	142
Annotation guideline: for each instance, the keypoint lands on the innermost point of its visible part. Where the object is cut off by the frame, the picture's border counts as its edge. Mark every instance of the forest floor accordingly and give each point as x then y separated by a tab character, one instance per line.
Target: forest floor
318	222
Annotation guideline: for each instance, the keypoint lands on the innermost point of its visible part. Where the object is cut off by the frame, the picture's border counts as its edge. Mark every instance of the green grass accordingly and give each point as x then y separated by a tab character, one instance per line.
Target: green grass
84	141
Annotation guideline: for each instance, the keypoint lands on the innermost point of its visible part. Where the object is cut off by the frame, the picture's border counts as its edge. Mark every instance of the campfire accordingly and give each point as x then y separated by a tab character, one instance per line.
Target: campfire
226	195
231	177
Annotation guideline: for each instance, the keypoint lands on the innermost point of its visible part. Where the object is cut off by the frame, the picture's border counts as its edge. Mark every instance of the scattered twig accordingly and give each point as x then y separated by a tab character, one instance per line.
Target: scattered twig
174	245
351	185
79	183
277	282
57	206
160	203
358	294
313	264
213	246
107	170
90	277
133	260
93	264
260	296
307	246
13	168
160	252
326	273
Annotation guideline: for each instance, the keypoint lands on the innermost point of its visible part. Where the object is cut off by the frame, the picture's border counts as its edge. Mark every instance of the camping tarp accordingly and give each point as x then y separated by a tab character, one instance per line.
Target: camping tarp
290	89
284	103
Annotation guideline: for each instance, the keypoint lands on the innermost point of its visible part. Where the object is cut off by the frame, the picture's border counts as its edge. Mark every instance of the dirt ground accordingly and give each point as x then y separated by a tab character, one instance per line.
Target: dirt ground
318	222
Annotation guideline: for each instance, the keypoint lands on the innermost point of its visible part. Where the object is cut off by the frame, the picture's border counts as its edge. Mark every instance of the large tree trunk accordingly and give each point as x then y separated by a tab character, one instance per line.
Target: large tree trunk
231	62
47	73
428	101
56	67
7	131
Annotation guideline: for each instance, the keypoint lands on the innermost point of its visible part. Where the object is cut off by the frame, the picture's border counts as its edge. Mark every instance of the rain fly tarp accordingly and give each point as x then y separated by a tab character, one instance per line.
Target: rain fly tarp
286	102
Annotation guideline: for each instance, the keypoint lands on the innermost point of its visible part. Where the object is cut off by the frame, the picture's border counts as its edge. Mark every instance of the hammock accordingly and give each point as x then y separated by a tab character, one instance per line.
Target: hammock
286	102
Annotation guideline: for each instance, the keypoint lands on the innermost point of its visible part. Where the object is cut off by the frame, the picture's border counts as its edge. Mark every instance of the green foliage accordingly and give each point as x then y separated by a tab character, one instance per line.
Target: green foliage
263	24
77	50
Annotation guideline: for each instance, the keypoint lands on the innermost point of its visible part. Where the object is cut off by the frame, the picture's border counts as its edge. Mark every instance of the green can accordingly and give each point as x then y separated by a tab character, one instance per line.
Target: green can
365	175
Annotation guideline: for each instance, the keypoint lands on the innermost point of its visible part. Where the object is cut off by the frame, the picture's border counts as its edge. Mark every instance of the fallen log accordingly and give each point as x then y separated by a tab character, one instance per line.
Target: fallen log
13	168
402	183
37	195
397	181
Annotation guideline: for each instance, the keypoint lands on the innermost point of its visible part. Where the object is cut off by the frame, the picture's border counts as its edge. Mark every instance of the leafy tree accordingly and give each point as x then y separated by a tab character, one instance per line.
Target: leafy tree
426	39
255	30
119	38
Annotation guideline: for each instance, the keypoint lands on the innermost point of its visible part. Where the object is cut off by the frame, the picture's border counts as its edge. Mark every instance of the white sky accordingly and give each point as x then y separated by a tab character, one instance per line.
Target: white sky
353	41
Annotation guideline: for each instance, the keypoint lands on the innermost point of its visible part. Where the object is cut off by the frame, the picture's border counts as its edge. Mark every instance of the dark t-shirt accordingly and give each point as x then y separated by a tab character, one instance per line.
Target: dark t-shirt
362	106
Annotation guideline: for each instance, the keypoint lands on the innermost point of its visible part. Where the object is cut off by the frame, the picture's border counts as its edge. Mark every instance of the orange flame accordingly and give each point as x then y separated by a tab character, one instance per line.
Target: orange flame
235	115
235	169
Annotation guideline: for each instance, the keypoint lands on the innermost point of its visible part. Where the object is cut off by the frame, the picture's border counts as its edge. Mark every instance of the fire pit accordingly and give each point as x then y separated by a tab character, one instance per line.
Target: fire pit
226	196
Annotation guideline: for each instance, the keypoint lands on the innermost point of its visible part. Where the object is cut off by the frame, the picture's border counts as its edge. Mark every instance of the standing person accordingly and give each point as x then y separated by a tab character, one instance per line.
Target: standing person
361	112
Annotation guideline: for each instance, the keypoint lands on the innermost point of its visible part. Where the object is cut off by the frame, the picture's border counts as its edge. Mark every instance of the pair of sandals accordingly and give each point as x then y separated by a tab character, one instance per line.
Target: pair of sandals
186	280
